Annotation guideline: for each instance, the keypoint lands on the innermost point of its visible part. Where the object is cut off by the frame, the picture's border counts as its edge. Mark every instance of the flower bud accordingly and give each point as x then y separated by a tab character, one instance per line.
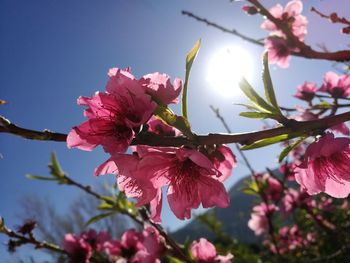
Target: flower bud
346	30
250	10
333	17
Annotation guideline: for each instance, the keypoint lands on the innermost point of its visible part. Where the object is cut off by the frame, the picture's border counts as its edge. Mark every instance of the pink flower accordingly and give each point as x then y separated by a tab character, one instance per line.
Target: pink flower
326	167
294	199
272	188
336	86
291	15
191	176
137	247
205	252
259	221
192	179
95	240
276	45
79	251
306	91
278	51
113	116
159	87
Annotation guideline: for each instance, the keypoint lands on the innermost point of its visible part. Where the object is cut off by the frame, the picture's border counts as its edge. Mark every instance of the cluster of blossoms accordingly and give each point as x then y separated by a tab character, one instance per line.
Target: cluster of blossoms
146	246
324	166
277	46
289	239
338	86
116	116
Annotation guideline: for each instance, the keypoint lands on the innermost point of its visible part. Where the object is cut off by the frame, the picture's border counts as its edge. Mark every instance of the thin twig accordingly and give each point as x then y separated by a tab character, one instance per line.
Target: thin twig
223	29
31	240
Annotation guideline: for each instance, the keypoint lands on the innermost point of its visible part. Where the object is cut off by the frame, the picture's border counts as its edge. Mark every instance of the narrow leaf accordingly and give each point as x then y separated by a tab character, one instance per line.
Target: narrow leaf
164	113
98	218
269	92
38	177
248	106
290	147
255	97
257	115
268	141
55	168
189	61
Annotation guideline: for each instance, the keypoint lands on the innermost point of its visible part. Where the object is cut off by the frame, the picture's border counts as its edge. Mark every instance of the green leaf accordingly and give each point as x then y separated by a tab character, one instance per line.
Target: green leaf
257	115
172	259
269	92
249	106
105	206
249	191
255	97
38	177
164	113
191	55
269	141
98	218
55	168
290	147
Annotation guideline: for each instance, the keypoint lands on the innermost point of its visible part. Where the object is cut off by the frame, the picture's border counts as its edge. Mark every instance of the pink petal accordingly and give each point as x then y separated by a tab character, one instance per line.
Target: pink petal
212	193
181	202
156	207
294	8
108	167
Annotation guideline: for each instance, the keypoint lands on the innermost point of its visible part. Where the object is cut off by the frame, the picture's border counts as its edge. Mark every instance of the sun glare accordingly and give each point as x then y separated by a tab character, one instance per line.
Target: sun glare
226	68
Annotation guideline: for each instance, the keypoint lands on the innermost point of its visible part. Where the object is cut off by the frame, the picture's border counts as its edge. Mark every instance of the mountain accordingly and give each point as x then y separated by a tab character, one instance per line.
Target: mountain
234	219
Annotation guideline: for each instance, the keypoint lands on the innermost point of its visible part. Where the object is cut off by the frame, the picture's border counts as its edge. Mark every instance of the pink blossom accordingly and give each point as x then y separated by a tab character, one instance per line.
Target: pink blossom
336	86
137	247
326	167
306	91
278	51
295	198
159	87
79	251
291	15
95	240
192	179
113	116
205	252
190	175
272	188
259	221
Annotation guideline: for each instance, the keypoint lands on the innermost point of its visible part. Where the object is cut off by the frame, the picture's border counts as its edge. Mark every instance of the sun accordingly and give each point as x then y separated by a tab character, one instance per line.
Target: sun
226	68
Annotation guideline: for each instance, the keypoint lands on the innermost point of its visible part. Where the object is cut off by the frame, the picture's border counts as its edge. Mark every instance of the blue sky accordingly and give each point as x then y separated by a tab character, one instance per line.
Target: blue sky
53	51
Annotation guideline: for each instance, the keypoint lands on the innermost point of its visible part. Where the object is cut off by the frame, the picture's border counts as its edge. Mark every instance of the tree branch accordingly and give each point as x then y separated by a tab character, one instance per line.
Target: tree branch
294	128
304	50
